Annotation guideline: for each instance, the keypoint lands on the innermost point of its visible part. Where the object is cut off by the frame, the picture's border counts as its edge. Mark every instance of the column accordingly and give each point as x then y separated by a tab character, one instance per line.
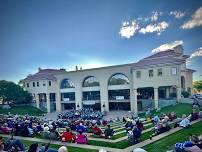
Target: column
78	95
104	96
37	101
167	92
58	101
134	102
48	102
156	98
178	94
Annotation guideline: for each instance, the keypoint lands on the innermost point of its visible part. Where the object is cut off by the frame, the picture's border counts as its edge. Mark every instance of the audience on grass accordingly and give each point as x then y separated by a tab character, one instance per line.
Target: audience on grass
74	125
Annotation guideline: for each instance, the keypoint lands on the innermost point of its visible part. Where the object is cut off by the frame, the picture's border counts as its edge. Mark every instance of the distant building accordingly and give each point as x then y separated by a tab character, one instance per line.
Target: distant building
150	83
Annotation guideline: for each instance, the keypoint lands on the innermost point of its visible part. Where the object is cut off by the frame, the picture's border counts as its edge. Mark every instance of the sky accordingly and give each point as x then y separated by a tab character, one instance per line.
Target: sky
94	33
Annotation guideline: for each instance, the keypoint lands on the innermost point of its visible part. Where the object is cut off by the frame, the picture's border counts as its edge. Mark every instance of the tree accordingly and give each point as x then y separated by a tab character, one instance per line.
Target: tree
198	85
10	91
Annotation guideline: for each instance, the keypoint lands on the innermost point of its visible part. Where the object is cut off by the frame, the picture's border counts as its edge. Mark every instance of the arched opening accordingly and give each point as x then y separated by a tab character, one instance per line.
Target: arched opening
91	93
119	92
67	96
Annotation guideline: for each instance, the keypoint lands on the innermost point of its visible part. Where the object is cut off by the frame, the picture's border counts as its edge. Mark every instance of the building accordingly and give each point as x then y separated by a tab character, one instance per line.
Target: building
152	82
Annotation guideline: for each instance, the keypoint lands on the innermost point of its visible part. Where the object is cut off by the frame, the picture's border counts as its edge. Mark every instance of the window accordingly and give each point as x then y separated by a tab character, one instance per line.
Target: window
33	84
173	71
138	74
49	83
27	85
37	84
44	84
151	73
90	81
159	72
118	79
66	83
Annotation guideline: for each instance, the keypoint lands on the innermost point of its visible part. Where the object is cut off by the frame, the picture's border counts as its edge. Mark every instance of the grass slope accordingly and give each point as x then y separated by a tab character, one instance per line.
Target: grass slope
22	110
179	109
166	143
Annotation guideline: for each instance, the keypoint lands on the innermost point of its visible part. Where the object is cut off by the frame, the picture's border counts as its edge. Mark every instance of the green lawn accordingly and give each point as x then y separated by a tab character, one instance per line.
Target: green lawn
22	110
166	143
179	109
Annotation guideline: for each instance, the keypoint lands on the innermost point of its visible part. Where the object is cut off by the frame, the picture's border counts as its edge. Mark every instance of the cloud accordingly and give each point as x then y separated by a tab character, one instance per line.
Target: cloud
155	15
197	53
177	14
159	27
167	46
196	20
127	30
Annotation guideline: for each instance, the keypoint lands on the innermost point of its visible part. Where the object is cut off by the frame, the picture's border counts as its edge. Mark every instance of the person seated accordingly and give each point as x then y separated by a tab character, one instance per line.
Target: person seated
81	138
62	149
80	128
39	128
136	134
172	116
185	122
25	131
89	128
10	144
165	125
129	125
97	131
194	140
157	129
148	114
108	132
156	119
104	122
5	129
67	136
140	125
195	113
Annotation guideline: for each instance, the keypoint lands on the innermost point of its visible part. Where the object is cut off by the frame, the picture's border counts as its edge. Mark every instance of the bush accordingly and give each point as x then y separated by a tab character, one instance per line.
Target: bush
185	94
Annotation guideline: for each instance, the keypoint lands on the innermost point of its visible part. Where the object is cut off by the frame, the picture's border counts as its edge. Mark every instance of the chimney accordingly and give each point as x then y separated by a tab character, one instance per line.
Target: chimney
39	69
76	68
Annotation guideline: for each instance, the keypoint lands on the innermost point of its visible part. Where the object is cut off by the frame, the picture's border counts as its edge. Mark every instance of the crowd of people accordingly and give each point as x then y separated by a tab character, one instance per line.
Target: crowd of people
77	125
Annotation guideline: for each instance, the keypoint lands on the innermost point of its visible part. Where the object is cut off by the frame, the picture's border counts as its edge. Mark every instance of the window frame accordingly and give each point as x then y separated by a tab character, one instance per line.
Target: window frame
151	73
171	71
158	74
138	74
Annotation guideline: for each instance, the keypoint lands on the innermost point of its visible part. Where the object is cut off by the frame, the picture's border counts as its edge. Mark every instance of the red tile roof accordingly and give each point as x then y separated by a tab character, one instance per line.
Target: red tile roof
44	74
165	57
